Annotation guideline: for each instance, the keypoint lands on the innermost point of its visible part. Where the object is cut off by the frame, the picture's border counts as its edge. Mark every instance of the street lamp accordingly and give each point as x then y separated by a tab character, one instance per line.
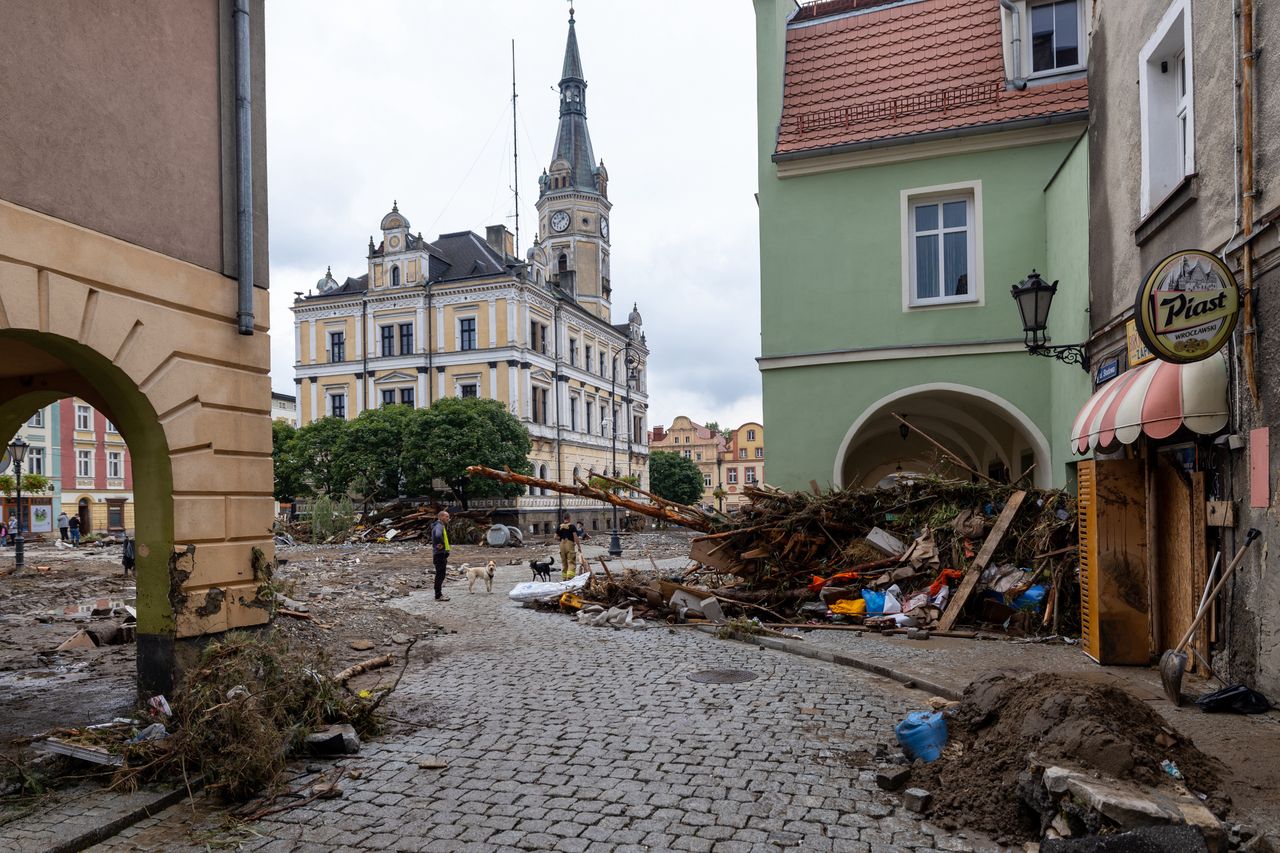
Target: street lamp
615	545
1035	297
18	452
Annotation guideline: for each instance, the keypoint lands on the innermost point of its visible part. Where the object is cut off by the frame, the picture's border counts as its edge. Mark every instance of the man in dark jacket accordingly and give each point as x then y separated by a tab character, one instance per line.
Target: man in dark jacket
128	557
440	551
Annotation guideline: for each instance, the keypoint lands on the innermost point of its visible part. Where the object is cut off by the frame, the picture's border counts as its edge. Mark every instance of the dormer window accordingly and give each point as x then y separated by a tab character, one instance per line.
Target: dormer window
1055	36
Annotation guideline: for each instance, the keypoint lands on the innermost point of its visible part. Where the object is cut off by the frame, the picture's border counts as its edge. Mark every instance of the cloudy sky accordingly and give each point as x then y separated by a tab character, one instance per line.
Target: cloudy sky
410	100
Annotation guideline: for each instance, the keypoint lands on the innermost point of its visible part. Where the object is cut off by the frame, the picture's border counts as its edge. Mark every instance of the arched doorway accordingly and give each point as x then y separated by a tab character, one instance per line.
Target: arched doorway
983	430
85	512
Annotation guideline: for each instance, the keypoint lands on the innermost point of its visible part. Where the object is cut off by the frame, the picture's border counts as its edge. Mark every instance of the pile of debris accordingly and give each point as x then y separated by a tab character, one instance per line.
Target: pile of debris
1058	756
397	522
912	555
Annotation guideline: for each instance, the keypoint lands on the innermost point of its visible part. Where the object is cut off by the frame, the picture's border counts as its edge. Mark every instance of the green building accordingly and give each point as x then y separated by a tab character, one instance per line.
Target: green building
916	160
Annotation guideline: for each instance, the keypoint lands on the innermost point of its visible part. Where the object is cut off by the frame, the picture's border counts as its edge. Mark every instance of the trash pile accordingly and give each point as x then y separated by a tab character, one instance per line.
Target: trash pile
251	703
1054	756
397	523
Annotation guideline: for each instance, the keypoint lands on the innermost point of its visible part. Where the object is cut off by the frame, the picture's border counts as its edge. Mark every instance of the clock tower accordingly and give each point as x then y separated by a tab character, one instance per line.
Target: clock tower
573	205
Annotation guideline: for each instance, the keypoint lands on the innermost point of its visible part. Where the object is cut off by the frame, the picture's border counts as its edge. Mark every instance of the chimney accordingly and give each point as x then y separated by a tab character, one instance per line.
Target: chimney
501	240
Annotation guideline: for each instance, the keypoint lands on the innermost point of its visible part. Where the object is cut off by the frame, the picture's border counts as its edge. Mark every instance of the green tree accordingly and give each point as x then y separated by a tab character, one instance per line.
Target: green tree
456	433
317	450
675	478
289	480
714	426
372	448
32	484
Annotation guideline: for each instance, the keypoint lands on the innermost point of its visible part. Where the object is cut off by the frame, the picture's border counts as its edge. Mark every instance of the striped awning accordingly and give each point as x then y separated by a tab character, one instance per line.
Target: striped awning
1156	398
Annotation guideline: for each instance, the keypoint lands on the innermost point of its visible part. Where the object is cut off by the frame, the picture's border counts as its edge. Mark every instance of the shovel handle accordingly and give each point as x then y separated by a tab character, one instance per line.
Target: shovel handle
1249	537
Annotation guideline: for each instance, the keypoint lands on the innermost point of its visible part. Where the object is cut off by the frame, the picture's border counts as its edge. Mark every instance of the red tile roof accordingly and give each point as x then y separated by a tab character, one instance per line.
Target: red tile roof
908	69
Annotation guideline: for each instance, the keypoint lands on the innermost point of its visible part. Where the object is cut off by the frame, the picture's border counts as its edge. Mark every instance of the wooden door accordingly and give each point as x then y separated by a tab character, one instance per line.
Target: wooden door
1113	561
1180	570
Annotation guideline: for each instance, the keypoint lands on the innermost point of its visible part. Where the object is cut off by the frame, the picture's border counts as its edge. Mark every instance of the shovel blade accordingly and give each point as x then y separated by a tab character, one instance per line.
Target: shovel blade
1172	666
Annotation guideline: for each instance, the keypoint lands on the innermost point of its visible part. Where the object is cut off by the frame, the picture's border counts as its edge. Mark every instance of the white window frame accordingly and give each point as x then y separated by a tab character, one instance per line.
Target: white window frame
970	191
35	460
84	472
706	481
1153	86
36	421
115	465
751	435
731	476
87	411
474	318
1081	33
111	428
469	383
330	396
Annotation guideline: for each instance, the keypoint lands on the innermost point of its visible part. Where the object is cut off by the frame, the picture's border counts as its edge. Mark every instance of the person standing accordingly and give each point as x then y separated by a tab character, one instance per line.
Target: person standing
64	525
127	559
440	551
568	534
75	531
4	532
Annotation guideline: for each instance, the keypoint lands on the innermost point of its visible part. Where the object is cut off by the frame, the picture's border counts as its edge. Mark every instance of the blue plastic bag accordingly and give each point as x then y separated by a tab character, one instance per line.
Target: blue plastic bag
922	734
1032	599
875	602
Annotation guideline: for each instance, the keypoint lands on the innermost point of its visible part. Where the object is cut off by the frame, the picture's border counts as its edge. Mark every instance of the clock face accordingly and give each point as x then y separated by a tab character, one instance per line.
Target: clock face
395	242
604	227
559	220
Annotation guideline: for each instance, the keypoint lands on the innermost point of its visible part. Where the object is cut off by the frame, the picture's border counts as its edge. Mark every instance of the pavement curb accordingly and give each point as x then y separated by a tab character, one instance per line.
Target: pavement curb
98	834
906	679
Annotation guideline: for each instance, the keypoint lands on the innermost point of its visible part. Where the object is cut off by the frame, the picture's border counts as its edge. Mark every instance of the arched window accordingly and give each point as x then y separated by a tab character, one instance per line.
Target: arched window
395	276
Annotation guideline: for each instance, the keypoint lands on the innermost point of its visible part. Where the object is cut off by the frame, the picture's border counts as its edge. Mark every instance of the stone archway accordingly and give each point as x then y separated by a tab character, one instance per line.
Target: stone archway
979	427
152	343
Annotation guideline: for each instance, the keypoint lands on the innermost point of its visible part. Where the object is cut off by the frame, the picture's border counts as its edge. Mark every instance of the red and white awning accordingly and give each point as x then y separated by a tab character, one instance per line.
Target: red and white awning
1156	398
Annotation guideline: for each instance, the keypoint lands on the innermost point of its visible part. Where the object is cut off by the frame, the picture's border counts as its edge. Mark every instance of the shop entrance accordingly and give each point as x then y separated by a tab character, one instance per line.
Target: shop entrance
85	512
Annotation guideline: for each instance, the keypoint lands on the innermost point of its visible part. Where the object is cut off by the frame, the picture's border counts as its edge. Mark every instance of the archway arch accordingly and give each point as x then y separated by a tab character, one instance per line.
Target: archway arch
974	423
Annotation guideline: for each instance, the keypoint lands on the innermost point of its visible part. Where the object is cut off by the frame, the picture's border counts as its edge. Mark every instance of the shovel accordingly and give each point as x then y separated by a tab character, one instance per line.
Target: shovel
1173	663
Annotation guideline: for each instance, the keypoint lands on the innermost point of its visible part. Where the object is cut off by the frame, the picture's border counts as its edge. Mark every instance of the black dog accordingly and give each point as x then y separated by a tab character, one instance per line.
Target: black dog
542	569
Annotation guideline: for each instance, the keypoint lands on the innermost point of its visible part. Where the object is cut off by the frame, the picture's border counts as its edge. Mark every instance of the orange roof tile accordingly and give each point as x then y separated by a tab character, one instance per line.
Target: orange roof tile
907	69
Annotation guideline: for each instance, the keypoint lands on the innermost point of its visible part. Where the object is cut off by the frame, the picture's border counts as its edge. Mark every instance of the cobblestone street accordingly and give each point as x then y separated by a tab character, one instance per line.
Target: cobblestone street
562	737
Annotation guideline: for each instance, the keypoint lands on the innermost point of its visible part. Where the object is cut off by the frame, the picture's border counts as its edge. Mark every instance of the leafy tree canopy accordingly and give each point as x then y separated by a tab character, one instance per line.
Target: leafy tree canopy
456	433
322	464
675	478
289	476
372	448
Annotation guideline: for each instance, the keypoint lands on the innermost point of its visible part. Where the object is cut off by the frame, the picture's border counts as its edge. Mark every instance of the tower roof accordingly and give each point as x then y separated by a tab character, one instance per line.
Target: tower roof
573	141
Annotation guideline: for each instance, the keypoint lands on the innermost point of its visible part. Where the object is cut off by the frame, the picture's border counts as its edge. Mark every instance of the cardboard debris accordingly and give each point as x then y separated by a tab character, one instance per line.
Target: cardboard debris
81	639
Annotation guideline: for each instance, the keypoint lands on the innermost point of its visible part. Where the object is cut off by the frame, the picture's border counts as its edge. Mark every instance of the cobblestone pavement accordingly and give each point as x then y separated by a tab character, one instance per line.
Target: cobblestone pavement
561	737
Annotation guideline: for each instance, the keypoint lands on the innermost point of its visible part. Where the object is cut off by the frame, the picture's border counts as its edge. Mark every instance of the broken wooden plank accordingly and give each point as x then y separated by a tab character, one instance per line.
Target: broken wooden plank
974	572
96	754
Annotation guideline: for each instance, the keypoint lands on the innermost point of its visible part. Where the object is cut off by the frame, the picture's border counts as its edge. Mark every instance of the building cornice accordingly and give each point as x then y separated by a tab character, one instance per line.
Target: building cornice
927	146
909	351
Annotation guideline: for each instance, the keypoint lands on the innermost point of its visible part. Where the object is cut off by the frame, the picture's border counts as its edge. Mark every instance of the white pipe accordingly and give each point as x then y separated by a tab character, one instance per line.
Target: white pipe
244	168
1018	81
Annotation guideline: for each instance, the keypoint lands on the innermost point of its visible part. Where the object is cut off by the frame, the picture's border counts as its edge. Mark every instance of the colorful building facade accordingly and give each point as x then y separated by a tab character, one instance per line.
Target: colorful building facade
916	160
96	471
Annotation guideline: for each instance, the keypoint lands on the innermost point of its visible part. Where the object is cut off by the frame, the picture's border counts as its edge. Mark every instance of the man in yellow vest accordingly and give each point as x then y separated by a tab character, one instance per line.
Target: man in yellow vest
440	551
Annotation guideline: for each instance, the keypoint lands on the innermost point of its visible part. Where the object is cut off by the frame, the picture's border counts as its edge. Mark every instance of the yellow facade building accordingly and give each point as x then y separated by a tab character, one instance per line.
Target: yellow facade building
461	315
728	460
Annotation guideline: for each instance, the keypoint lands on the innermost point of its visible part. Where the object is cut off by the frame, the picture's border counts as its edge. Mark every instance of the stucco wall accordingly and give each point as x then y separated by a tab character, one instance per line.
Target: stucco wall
129	124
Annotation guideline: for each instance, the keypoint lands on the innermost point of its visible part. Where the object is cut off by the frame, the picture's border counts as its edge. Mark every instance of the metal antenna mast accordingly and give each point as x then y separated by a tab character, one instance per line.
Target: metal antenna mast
515	146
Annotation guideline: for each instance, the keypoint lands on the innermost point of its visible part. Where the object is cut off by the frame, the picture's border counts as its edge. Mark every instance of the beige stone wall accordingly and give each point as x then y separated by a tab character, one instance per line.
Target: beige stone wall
153	340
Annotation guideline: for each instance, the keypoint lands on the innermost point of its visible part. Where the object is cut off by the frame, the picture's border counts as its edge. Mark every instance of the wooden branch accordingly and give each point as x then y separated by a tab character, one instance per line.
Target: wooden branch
700	522
945	452
661	501
362	667
971	576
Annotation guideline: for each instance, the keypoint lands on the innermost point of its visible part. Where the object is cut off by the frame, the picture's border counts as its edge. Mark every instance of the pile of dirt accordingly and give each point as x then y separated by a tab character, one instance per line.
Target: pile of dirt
1008	727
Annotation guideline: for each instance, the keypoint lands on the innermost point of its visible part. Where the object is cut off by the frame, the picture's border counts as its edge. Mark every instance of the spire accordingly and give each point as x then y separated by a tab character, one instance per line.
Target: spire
573	142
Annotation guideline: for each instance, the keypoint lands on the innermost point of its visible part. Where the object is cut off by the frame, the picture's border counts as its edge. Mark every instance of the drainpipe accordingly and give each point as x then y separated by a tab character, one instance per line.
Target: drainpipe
1247	190
364	351
555	386
1019	82
244	167
431	348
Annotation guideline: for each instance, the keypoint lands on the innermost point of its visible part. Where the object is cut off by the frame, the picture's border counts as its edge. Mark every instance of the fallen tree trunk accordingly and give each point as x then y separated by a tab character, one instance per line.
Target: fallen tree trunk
362	667
684	516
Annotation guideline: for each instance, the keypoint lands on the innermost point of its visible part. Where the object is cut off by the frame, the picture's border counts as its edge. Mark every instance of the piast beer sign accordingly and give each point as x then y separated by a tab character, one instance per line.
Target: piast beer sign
1187	307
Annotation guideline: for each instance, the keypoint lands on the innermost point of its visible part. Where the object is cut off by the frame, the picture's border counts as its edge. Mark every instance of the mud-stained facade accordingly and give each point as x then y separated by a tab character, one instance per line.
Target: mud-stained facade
118	284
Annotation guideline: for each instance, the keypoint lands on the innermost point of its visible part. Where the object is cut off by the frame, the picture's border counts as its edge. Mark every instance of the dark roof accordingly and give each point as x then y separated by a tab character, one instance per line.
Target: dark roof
572	58
903	69
451	257
573	141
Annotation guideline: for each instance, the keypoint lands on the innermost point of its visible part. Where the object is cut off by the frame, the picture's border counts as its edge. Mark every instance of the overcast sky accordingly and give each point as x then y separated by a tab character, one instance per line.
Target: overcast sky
410	100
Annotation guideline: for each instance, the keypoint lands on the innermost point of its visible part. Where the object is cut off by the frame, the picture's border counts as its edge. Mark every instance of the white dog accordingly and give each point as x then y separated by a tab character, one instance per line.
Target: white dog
477	573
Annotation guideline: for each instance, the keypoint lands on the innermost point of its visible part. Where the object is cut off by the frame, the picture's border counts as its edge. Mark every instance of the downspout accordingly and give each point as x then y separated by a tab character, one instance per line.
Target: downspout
364	352
1019	82
1247	191
244	168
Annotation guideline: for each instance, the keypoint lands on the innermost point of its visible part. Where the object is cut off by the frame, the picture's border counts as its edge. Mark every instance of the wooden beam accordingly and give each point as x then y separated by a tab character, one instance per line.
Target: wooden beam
974	572
945	452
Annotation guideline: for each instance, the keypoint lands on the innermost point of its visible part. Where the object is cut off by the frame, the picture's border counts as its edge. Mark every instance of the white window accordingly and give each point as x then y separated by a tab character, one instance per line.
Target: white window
112	428
942	245
742	453
469	389
37	420
732	476
84	418
115	465
688	454
751	435
338	406
1054	42
84	463
759	452
706	481
1166	96
35	460
573	412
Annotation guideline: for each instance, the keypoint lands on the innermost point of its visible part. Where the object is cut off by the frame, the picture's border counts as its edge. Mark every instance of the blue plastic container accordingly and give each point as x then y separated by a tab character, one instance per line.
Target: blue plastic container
922	734
1032	599
875	602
